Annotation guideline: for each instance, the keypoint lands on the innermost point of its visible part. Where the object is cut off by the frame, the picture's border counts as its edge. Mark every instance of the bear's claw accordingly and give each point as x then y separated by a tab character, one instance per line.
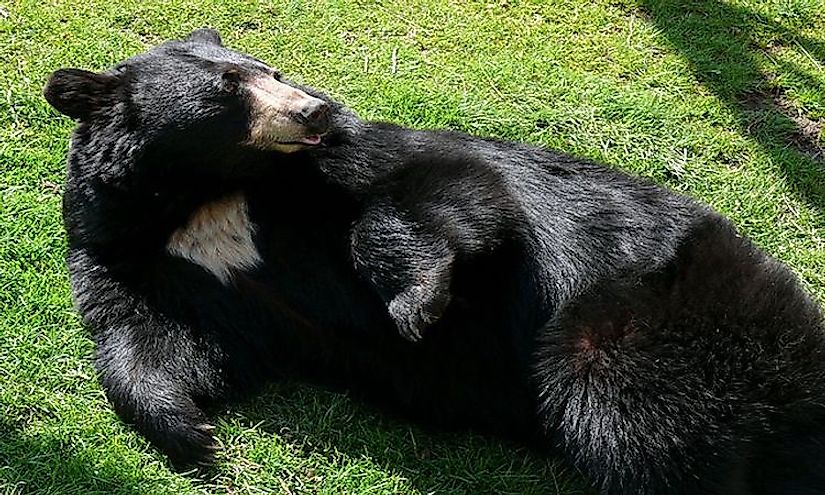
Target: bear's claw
415	309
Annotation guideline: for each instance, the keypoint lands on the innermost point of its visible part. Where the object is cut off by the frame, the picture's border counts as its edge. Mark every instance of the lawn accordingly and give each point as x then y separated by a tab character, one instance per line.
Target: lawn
724	101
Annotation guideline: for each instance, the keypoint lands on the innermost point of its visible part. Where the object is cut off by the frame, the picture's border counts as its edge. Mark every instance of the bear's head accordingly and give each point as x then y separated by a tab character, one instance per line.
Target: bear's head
190	98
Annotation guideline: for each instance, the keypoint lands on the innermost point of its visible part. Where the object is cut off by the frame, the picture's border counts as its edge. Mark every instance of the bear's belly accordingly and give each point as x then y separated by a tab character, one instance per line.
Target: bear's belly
218	237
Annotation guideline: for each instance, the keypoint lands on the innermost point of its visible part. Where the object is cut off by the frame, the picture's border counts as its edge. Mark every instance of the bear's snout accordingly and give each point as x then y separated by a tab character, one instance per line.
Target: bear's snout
284	118
315	116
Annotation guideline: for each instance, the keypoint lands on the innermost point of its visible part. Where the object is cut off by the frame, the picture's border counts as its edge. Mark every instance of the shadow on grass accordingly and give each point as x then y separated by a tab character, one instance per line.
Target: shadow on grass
330	424
43	464
721	43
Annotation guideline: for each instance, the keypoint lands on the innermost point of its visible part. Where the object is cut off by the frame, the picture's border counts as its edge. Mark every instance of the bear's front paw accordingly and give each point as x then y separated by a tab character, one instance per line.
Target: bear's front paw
416	308
194	448
187	444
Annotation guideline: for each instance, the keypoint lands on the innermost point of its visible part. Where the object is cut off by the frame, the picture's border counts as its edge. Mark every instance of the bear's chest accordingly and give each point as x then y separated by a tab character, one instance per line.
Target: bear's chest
219	237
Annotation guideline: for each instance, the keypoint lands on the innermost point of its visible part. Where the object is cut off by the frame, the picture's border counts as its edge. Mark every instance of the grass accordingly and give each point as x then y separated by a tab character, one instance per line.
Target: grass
723	101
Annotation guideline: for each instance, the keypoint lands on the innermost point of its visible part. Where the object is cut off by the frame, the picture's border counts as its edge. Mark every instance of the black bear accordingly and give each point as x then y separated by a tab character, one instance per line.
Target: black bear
228	227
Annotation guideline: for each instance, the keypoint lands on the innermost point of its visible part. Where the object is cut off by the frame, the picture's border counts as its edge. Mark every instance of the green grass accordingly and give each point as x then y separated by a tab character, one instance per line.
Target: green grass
719	100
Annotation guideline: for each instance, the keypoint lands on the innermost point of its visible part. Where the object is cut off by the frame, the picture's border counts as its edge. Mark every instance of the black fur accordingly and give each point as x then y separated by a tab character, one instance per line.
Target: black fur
553	300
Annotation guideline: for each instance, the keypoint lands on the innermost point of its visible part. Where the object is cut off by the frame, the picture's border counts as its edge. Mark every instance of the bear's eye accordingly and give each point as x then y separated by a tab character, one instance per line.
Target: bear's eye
231	80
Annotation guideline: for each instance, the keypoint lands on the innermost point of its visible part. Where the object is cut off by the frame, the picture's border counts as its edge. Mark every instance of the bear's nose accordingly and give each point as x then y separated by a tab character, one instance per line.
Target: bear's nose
315	115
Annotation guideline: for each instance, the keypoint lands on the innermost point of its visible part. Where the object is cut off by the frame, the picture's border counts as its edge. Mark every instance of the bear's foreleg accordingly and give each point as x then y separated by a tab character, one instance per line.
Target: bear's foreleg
408	266
152	369
143	385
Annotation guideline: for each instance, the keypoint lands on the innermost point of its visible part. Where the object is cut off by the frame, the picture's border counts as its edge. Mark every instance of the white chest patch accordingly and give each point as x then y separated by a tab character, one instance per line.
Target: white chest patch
218	237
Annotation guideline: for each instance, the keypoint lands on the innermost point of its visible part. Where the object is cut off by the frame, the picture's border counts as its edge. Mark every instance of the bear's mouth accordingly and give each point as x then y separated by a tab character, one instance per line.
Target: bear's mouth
311	140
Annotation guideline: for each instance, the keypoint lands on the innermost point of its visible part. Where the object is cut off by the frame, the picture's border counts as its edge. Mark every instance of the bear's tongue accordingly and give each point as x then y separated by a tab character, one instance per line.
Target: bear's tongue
312	139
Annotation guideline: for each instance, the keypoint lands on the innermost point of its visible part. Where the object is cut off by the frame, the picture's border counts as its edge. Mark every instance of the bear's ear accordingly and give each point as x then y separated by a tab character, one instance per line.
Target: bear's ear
77	93
206	35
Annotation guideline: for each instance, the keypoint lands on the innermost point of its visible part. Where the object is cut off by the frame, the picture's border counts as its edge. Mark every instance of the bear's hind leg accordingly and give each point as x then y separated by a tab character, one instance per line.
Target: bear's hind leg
635	412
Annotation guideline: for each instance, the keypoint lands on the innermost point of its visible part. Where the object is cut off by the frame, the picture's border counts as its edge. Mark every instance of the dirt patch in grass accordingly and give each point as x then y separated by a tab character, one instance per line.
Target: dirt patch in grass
805	137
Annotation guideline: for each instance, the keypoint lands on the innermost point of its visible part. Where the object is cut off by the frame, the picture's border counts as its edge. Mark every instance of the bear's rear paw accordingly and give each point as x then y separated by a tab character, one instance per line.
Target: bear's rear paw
417	308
